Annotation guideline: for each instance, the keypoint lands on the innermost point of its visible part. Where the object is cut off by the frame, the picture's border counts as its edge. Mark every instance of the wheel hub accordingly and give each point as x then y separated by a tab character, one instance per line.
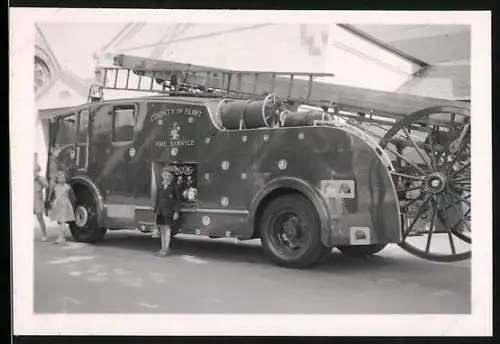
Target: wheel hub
435	182
290	227
81	216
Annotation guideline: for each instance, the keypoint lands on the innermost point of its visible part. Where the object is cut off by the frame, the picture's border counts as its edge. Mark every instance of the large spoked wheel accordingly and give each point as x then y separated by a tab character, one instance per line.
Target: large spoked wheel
290	232
430	150
85	228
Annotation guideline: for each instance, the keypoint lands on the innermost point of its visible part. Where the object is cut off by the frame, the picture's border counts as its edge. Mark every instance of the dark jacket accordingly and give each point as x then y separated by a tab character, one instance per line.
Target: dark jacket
168	201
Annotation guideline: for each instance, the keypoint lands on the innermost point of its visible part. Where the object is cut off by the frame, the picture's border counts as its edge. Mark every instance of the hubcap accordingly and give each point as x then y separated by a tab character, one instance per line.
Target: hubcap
289	232
291	228
81	216
435	182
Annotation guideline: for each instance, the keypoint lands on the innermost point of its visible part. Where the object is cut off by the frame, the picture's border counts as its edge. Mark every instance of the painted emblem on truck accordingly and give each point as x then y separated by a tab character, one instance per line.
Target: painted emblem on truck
337	188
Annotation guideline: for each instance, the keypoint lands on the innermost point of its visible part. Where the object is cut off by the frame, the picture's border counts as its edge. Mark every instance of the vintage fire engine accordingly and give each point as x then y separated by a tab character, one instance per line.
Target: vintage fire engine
303	165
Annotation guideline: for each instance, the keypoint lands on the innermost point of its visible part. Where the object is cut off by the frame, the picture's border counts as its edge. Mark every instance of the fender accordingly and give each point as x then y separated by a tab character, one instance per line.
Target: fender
305	189
94	190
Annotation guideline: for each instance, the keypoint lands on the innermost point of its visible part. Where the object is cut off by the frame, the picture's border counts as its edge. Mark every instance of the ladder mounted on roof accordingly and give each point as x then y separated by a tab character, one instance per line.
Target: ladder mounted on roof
131	73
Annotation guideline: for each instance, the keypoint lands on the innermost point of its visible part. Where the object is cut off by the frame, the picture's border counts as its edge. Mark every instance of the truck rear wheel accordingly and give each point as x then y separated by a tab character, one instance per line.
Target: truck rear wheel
290	232
361	250
85	228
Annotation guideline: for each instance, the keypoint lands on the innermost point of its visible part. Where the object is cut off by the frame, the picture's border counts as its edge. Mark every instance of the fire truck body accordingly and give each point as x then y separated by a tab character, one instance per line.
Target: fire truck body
325	185
304	166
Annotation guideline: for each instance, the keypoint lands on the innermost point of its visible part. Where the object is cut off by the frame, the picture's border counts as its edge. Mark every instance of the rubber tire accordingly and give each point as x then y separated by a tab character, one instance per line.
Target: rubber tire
361	250
91	232
305	209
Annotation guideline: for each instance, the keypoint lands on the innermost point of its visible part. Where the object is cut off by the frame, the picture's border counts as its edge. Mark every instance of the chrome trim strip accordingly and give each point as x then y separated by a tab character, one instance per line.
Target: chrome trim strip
219	211
201	210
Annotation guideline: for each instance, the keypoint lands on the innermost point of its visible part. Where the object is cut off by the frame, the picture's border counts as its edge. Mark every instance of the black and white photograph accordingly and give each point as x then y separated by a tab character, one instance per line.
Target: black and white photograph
255	172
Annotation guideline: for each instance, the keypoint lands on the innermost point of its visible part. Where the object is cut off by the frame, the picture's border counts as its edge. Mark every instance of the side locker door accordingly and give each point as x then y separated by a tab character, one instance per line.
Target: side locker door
82	140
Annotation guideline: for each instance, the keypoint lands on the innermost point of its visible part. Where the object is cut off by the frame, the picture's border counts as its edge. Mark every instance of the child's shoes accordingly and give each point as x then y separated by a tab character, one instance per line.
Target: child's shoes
163	253
60	241
155	233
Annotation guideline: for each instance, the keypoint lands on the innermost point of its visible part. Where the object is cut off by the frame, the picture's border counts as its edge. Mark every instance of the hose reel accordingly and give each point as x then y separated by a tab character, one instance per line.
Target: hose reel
251	114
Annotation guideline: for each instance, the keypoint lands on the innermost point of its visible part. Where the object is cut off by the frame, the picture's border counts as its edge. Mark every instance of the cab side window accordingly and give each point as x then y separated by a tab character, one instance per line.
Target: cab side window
66	132
83	127
63	149
123	124
82	139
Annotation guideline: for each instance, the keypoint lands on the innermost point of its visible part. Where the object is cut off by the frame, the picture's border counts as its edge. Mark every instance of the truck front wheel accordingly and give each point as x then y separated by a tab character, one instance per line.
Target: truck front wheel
85	228
290	232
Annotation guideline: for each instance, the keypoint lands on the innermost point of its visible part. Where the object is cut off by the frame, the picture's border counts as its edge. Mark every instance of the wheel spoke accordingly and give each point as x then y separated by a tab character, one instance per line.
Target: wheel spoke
452	123
429	135
406	159
461	214
431	229
461	188
462	169
462	179
417	149
406	176
450	235
452	133
422	207
461	147
412	201
455	202
409	189
457	196
459	221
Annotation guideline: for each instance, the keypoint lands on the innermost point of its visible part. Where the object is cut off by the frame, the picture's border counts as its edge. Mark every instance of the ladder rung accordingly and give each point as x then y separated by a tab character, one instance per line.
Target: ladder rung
228	82
152	81
290	86
139	82
128	77
207	84
309	91
238	86
256	78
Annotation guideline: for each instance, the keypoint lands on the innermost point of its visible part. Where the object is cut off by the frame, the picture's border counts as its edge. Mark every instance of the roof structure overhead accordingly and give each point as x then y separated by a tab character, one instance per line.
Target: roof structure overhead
298	47
432	44
445	48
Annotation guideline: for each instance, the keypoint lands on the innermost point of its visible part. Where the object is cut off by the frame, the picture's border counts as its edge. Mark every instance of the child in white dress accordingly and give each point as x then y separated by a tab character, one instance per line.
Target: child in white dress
38	205
61	209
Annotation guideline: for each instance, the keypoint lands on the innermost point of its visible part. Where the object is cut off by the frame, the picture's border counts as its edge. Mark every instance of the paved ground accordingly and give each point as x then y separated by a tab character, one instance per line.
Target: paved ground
122	275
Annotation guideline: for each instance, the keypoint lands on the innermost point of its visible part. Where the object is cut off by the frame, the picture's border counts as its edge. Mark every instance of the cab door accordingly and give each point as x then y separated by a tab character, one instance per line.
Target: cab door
117	171
62	156
121	153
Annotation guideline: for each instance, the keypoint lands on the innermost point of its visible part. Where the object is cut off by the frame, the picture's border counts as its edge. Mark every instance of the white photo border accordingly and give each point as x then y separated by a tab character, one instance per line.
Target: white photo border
22	105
